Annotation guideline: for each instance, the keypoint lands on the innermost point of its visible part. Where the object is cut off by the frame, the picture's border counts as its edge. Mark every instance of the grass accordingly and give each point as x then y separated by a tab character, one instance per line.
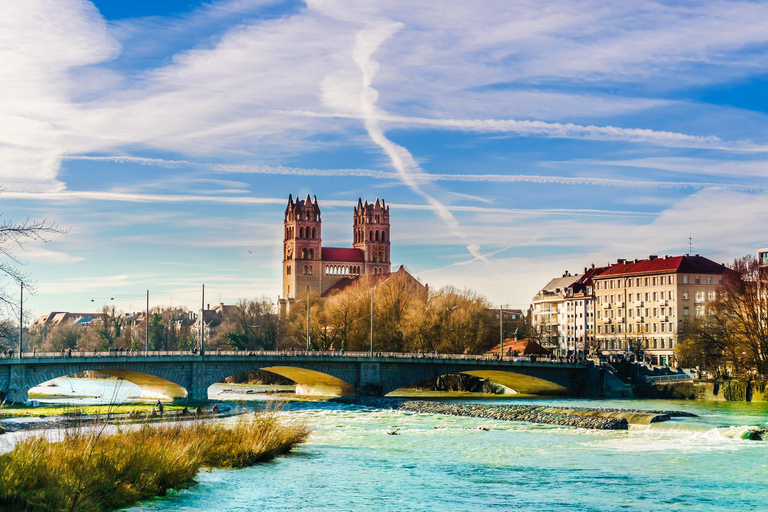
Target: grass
90	471
16	410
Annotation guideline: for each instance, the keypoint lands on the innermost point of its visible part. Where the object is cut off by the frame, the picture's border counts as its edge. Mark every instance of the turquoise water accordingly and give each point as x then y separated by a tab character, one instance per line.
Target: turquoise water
448	463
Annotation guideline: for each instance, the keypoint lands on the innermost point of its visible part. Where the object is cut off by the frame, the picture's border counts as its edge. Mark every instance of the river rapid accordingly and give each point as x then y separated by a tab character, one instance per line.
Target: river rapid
436	462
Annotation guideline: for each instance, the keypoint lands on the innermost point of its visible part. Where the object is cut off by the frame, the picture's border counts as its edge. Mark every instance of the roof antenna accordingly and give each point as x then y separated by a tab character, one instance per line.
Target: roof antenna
690	244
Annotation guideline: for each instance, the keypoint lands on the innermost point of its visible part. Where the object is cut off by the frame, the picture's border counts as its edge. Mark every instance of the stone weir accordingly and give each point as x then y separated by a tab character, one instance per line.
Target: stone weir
601	419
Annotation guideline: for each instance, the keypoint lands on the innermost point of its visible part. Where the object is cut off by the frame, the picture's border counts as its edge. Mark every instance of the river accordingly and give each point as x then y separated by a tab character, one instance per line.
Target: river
465	464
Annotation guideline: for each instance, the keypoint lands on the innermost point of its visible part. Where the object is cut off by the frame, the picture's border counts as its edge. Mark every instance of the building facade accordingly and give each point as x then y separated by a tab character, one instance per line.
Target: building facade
308	267
762	256
641	304
549	311
563	312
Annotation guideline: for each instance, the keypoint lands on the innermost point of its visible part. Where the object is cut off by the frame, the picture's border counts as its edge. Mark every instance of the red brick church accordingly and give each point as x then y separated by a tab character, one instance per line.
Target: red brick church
310	267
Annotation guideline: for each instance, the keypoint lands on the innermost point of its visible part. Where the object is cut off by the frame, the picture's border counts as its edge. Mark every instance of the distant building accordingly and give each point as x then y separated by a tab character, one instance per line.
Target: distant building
308	267
563	311
640	304
60	318
762	256
549	316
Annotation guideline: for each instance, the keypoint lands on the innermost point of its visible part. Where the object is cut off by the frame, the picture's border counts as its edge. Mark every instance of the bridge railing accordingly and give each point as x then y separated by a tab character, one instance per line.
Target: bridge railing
210	354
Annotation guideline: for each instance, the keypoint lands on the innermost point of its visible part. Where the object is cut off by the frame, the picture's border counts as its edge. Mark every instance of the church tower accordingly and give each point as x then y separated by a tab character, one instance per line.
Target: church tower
370	233
302	242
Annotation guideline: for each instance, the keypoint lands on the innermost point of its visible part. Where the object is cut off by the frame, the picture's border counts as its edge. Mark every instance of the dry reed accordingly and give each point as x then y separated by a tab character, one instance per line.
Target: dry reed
90	471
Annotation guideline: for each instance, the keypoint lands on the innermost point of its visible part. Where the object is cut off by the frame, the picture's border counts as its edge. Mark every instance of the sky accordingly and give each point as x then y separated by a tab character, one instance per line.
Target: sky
512	140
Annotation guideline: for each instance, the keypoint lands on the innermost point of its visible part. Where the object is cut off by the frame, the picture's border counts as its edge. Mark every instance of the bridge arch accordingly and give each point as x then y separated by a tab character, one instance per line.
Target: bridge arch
311	379
523	380
150	378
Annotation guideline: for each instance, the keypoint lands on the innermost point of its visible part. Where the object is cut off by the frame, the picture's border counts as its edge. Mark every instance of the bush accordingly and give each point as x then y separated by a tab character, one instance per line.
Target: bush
89	471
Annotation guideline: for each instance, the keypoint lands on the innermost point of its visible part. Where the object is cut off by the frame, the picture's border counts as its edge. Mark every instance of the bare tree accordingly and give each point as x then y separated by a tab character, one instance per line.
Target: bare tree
14	235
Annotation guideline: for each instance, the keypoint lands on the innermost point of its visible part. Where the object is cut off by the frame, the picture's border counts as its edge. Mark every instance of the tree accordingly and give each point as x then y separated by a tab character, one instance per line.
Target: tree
735	329
14	235
250	325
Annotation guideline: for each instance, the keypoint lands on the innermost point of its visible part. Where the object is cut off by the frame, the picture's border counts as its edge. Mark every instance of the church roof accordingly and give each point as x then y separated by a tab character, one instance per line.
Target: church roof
343	254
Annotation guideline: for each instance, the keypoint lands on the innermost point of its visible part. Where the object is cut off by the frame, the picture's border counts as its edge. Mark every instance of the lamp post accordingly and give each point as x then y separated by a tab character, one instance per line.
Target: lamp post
21	319
501	331
371	322
308	339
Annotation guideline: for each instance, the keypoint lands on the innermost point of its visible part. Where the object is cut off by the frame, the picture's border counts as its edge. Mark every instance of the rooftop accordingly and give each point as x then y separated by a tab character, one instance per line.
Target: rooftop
668	264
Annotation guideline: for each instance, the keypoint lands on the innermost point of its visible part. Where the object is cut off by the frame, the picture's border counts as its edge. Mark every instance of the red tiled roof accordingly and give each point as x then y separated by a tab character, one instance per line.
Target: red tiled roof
693	264
343	254
523	347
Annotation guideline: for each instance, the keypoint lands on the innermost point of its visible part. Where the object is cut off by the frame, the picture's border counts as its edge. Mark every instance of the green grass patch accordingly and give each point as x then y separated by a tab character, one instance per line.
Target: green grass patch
89	471
15	410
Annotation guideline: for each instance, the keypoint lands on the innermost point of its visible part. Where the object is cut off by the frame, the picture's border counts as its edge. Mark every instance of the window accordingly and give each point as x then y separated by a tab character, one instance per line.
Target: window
647	295
710	295
655	281
306	271
685	279
685	295
638	281
662	295
662	327
646	281
655	296
699	296
289	289
310	270
709	280
699	310
599	329
288	270
671	295
697	279
662	279
720	279
671	280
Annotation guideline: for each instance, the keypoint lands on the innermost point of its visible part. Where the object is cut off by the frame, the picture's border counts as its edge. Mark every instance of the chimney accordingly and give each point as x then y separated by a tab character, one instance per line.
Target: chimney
208	306
620	261
652	257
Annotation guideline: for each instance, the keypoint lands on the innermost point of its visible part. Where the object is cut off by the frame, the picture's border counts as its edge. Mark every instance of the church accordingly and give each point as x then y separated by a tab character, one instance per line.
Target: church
310	267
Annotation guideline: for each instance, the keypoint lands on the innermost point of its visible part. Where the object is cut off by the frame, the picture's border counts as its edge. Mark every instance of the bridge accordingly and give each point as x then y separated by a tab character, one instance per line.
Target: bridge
183	375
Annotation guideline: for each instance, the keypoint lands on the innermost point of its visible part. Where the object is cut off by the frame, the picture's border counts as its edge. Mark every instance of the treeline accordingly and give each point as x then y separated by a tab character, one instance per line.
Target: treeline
734	331
406	318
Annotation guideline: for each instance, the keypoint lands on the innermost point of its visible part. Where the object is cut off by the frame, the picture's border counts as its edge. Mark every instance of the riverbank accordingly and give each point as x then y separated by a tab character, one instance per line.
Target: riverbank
590	418
87	470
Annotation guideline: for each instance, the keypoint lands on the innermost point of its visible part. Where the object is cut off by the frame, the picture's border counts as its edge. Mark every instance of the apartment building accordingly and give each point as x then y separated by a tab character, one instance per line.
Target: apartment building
549	314
578	314
762	256
640	304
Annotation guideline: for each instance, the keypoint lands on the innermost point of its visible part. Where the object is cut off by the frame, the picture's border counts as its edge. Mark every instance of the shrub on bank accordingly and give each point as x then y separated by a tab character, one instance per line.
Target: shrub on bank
90	471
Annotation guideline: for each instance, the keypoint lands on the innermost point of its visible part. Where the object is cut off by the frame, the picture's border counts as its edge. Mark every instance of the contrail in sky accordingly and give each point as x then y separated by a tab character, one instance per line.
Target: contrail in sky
366	43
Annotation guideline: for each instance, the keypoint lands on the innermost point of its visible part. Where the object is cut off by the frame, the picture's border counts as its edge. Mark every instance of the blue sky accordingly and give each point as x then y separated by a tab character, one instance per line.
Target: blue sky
513	140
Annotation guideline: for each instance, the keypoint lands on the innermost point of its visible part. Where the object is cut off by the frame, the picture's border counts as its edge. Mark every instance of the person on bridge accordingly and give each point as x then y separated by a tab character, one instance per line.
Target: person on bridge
159	406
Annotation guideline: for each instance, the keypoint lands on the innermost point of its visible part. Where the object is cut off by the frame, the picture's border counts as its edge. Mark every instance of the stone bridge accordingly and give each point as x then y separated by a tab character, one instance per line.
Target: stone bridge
185	375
